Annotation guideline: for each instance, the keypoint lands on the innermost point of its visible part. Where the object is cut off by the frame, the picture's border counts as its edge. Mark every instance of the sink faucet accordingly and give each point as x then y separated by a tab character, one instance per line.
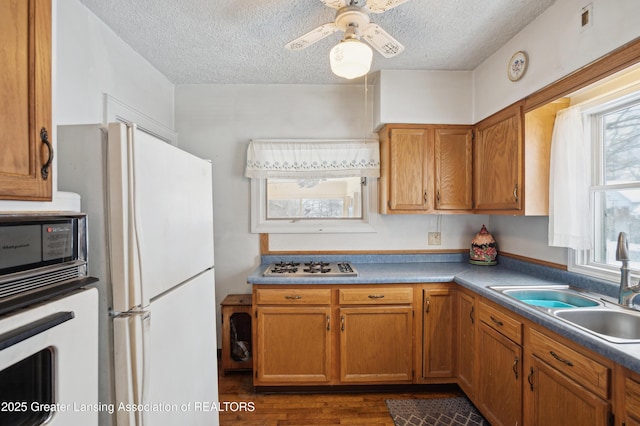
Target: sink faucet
627	291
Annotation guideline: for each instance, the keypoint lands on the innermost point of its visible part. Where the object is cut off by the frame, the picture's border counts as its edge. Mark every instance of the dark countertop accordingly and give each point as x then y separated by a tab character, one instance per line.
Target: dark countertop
381	269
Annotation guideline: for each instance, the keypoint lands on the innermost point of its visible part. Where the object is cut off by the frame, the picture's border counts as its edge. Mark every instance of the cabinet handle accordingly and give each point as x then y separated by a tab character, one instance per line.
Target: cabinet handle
328	323
515	192
438	197
530	379
44	138
515	367
472	315
376	296
424	197
296	297
427	303
498	322
557	357
341	322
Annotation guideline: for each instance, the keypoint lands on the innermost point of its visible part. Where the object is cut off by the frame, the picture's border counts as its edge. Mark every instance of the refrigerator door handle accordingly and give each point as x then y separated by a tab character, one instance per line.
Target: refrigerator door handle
131	332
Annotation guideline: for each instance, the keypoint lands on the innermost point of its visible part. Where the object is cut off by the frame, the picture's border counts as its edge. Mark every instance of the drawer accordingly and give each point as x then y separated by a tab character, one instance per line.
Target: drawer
587	372
501	322
293	296
376	296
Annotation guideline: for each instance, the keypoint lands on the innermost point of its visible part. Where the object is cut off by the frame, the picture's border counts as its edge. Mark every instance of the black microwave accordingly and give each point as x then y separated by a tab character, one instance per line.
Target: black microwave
42	255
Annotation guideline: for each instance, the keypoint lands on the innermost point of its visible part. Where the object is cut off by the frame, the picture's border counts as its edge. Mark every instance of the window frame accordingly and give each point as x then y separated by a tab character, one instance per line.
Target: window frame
581	261
260	224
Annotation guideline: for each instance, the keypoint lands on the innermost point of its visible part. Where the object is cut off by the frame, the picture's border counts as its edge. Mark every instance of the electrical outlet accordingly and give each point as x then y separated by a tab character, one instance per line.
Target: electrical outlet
434	238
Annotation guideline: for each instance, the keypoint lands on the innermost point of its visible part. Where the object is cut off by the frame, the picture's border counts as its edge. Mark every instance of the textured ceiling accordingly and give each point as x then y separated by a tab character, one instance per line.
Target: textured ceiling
242	42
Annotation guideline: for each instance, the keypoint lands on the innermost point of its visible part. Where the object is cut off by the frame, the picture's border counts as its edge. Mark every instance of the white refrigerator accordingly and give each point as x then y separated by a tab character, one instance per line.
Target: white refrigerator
150	216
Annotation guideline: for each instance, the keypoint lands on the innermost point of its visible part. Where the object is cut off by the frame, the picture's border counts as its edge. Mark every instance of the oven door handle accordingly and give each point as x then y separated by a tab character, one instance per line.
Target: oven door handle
26	331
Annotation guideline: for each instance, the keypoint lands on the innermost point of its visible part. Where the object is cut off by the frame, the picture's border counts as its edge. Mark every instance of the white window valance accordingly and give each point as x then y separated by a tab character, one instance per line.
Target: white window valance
316	158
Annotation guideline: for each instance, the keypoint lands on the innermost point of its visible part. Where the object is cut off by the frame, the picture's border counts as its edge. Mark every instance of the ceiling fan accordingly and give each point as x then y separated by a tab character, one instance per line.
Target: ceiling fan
352	17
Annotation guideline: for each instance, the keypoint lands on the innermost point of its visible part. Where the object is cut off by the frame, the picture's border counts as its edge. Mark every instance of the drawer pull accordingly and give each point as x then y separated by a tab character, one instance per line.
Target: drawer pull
296	297
376	296
497	322
566	361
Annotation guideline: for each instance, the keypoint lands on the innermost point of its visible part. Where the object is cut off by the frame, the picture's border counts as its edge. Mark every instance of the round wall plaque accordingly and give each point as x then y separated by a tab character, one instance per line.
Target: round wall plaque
517	66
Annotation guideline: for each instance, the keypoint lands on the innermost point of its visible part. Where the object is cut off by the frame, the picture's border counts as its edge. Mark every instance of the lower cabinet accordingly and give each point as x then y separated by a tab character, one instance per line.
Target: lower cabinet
499	378
438	339
627	397
466	341
557	400
326	335
295	345
515	371
376	344
499	367
565	386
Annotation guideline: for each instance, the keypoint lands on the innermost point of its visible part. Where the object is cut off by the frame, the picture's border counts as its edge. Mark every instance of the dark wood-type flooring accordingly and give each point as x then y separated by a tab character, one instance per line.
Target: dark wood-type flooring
307	409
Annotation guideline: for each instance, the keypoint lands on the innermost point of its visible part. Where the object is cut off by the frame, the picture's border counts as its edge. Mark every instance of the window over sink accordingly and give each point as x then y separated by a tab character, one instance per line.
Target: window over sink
612	124
313	186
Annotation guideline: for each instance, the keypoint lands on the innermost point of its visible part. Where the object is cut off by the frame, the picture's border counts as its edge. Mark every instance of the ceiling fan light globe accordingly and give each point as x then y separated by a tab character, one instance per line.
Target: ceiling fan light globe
350	59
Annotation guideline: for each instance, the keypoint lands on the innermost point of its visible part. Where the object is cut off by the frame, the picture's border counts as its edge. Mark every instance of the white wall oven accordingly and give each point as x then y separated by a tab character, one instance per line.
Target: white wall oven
48	322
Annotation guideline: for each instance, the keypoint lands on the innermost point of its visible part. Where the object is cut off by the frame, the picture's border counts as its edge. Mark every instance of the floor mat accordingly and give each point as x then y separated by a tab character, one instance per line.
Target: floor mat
434	412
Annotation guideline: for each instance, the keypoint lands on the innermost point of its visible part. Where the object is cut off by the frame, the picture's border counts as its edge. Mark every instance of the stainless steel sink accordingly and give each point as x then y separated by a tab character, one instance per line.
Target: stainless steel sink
615	325
549	297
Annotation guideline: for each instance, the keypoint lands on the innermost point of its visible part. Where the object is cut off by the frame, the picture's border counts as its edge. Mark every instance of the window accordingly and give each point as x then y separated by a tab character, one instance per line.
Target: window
319	198
614	129
313	186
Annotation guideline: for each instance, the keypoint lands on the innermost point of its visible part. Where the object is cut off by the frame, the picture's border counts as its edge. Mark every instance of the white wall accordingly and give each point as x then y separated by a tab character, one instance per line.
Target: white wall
89	60
217	122
434	97
556	45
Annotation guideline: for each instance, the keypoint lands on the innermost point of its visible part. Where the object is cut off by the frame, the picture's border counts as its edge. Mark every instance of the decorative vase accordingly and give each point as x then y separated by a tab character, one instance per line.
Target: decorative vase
483	249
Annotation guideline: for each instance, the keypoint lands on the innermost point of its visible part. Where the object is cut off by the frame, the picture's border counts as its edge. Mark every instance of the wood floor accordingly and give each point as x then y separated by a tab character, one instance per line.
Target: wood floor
236	392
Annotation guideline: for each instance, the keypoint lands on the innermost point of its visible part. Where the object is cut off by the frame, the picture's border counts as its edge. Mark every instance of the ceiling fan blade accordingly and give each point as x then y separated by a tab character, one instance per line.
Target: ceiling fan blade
312	36
335	4
382	41
379	6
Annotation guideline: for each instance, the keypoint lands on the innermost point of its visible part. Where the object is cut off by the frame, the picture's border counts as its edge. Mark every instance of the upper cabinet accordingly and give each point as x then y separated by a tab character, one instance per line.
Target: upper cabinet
497	165
425	169
25	100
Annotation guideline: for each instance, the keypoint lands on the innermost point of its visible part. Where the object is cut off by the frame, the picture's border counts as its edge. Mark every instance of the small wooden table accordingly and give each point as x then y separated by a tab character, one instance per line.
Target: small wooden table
237	353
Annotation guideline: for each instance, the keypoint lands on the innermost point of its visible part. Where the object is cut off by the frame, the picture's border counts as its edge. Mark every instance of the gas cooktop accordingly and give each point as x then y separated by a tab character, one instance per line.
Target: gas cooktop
307	269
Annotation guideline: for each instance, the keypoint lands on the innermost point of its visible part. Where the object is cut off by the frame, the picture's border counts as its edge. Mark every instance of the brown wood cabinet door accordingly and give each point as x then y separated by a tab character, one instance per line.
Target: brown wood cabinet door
558	400
25	99
437	329
293	345
453	162
409	187
376	344
466	345
499	378
498	161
